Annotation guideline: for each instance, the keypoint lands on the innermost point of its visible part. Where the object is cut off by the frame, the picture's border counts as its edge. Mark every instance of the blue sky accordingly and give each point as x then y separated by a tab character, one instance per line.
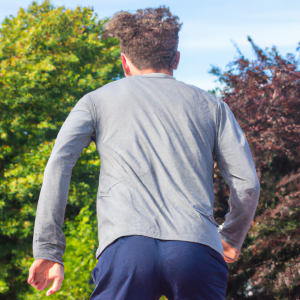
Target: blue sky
209	27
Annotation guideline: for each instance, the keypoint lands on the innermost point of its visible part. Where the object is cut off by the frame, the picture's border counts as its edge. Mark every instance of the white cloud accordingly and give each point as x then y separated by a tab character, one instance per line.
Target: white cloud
205	82
197	35
289	16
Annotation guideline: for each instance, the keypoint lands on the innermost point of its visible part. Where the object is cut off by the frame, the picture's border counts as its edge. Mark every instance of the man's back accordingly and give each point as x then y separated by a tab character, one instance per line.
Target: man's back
155	136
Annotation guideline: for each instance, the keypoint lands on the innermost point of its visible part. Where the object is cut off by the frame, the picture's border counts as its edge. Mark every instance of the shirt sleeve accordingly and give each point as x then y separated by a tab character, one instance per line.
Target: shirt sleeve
237	168
76	133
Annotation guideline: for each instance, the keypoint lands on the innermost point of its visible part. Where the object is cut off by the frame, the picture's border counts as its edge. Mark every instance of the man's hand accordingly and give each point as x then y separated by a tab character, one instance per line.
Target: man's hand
230	253
43	272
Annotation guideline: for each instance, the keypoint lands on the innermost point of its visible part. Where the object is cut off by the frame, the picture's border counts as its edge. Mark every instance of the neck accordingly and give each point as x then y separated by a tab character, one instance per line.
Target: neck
149	71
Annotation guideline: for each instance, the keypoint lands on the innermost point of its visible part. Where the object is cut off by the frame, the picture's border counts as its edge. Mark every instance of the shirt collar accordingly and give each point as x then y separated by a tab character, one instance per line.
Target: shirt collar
159	75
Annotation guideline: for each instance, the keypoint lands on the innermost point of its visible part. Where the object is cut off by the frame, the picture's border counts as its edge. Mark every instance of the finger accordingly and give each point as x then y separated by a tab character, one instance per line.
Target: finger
55	286
37	285
228	259
31	275
42	285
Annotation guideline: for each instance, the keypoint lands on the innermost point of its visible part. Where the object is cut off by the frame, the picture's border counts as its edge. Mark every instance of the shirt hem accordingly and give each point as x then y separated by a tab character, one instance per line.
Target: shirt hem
185	237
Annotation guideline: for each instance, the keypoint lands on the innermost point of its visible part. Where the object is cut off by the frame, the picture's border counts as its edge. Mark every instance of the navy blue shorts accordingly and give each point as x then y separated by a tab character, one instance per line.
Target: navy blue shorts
139	267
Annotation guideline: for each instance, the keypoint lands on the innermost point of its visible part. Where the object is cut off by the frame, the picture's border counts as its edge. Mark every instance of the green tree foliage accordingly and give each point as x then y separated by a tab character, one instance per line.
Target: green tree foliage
49	58
264	97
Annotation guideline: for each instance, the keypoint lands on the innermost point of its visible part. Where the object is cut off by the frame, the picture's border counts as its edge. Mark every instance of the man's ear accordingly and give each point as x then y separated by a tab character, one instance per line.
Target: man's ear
125	65
177	60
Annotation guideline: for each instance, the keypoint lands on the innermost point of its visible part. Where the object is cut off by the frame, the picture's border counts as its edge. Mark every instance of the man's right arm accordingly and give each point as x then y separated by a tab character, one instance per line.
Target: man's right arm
75	134
237	168
49	242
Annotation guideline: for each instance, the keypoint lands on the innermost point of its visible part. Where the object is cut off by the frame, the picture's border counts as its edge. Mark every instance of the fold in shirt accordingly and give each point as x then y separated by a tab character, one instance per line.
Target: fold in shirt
155	137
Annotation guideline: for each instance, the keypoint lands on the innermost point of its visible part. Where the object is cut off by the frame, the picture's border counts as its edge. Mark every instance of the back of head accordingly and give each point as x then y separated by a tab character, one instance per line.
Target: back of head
149	38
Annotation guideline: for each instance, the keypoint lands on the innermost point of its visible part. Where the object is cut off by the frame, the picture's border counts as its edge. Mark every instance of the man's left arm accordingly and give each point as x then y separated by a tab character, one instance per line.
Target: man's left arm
237	167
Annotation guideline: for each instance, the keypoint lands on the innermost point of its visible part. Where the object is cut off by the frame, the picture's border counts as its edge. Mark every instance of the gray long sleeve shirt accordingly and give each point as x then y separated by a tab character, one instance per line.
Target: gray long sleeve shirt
155	137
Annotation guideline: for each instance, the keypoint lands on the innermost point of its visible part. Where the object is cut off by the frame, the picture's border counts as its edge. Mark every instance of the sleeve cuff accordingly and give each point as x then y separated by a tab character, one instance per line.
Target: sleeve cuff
231	242
51	258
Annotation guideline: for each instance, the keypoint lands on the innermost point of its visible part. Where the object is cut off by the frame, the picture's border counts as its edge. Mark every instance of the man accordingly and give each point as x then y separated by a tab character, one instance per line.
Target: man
156	137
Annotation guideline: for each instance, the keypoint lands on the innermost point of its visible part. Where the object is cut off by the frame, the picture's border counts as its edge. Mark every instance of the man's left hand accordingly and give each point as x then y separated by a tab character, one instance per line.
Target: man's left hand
230	253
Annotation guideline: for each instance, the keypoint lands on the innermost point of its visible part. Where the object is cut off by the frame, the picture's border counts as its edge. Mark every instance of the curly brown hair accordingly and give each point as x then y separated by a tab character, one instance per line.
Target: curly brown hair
149	38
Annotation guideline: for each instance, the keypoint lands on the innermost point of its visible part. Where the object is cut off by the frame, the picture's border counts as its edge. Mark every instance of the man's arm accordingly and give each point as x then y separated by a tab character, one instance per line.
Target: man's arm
237	168
75	134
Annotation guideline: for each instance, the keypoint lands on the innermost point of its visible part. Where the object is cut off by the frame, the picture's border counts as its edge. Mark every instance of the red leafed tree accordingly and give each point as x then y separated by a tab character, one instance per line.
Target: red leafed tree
264	95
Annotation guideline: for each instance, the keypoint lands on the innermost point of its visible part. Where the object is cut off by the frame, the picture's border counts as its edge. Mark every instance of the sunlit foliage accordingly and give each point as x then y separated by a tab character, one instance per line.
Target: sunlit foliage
49	58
